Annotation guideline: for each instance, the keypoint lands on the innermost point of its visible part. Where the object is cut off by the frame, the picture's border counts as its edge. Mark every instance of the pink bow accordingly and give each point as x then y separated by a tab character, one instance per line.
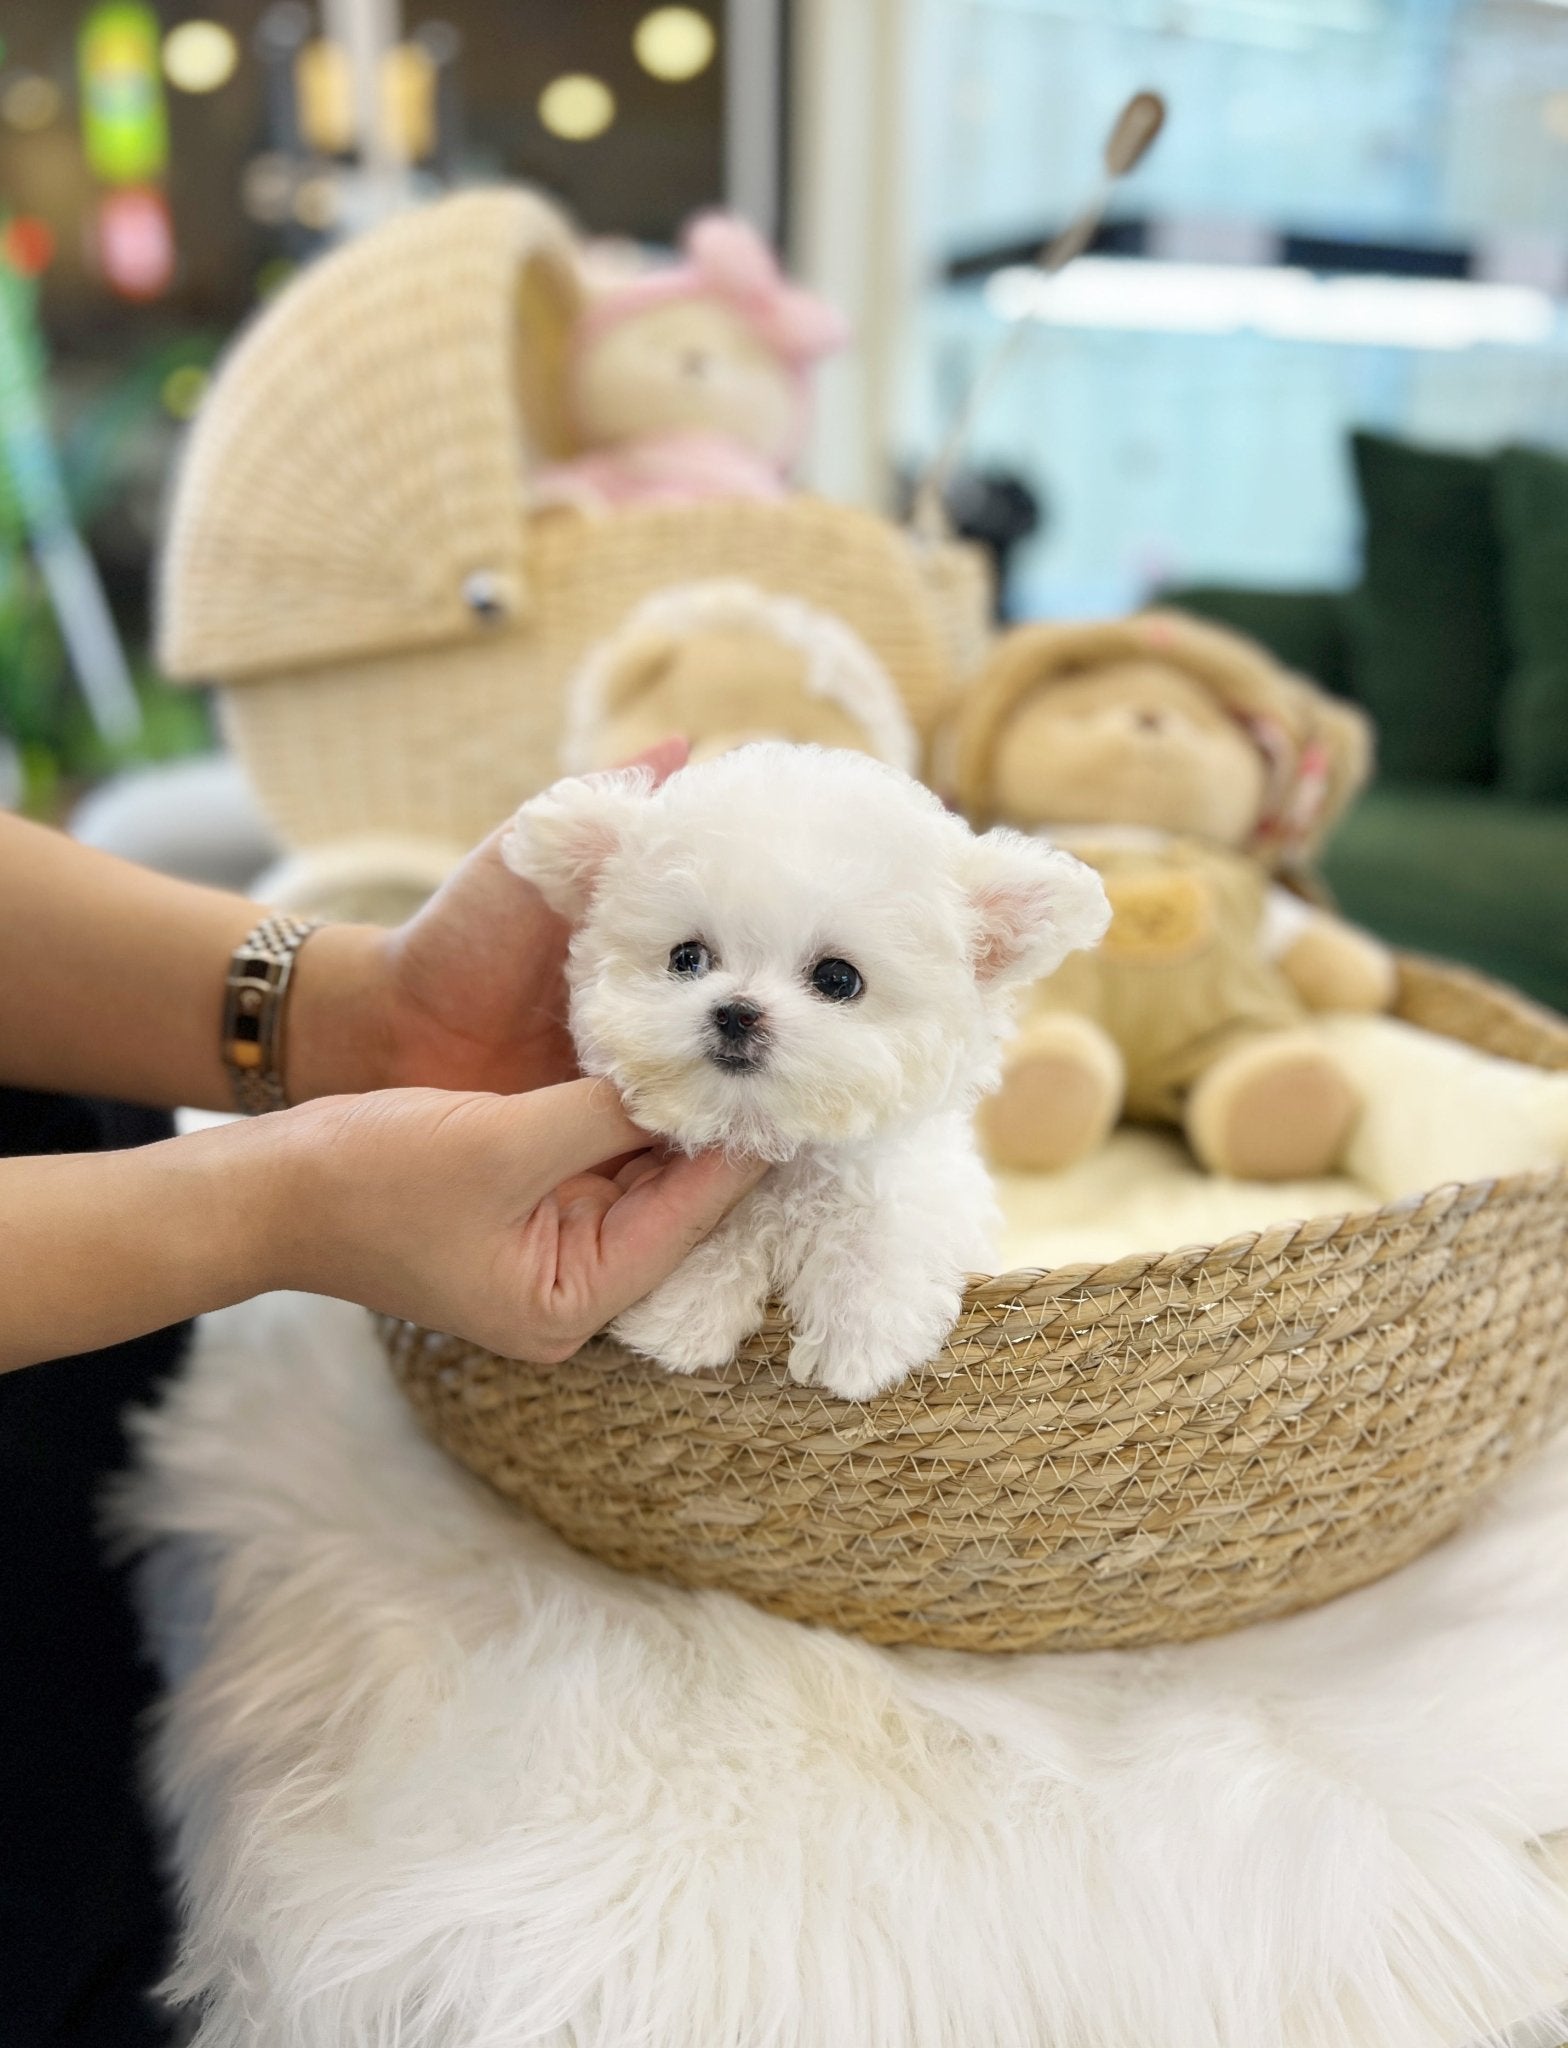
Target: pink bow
733	262
725	258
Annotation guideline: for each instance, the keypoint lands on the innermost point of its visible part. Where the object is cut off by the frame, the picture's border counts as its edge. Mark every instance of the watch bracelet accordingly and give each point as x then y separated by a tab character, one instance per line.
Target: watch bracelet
255	995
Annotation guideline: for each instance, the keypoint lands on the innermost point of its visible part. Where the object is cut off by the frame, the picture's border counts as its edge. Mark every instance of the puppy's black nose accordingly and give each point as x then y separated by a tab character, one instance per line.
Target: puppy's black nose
736	1021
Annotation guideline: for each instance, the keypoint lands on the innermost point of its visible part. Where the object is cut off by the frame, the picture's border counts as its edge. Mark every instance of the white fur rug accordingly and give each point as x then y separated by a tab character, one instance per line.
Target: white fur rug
440	1783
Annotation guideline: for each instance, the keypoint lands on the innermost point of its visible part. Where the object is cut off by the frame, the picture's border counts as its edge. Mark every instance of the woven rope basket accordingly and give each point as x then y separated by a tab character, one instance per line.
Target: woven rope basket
1147	1451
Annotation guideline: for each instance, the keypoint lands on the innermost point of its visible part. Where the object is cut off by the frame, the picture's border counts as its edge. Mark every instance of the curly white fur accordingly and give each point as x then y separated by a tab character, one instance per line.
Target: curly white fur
840	667
439	1782
766	862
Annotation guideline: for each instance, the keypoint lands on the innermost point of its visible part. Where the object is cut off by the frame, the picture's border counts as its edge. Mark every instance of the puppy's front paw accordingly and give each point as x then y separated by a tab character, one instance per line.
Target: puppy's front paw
862	1351
688	1327
862	1376
803	1361
853	1369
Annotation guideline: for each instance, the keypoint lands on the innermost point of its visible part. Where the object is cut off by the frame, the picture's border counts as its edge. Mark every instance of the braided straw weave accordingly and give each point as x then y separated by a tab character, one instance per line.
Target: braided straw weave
443	742
1147	1451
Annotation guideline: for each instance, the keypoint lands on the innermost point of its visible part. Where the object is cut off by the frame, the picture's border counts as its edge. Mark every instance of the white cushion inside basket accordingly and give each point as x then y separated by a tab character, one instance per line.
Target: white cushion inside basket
1435	1111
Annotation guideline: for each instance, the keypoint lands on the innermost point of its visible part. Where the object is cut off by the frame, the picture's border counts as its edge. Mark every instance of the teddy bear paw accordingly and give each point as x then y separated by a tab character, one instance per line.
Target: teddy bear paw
1279	1107
1063	1081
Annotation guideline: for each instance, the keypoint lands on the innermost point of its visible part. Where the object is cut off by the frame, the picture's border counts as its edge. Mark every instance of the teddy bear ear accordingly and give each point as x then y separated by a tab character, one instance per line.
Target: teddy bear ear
561	839
635	670
1033	905
614	676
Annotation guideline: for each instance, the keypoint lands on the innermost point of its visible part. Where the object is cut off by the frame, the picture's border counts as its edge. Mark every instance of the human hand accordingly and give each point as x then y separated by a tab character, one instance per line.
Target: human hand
523	1223
470	993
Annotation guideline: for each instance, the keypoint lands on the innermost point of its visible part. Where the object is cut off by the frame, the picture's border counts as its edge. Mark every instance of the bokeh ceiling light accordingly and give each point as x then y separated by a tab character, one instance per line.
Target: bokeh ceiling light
577	106
30	102
199	56
674	43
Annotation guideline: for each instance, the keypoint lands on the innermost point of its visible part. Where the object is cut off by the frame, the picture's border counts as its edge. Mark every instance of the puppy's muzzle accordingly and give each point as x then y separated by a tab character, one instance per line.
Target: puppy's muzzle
739	1035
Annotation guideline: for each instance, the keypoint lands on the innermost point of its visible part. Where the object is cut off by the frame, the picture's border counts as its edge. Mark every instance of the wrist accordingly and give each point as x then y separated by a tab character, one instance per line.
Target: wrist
338	1035
310	1189
232	1190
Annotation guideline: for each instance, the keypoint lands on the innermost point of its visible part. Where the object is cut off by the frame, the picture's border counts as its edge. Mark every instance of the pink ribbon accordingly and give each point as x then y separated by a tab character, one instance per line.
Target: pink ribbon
726	259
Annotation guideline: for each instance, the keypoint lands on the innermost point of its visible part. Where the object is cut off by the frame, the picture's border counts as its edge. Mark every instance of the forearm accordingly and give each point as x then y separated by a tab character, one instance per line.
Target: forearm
524	1222
112	981
99	1247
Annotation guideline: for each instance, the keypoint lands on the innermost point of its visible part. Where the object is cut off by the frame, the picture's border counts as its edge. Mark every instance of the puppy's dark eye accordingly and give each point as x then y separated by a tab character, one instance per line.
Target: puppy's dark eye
836	980
691	958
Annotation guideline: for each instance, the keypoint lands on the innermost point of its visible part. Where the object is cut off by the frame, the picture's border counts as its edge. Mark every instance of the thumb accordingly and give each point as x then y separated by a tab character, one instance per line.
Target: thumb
566	1129
658	1220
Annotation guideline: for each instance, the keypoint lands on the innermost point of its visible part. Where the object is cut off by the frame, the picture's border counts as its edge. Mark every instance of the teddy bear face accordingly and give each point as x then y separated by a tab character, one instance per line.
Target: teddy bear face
1132	743
690	366
723	688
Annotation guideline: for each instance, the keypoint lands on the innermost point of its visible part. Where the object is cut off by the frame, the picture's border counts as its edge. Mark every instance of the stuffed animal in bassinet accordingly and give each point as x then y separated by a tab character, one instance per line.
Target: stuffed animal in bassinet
692	380
1188	769
725	662
801	955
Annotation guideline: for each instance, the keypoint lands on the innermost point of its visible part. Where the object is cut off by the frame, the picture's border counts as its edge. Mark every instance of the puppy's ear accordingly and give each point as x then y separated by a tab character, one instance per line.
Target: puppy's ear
561	839
1033	905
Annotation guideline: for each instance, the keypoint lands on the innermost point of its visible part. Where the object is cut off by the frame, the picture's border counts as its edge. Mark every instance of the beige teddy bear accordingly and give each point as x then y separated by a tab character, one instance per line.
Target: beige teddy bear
1189	769
724	662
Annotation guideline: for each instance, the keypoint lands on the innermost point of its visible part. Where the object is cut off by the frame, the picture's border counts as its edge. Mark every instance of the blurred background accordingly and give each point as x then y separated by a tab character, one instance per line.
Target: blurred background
1356	219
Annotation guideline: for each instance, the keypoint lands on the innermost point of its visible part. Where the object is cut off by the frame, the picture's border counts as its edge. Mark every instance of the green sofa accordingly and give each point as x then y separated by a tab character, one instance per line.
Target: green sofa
1456	642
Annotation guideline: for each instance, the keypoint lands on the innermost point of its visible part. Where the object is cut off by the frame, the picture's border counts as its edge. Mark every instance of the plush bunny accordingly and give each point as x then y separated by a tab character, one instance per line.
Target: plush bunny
692	380
1189	769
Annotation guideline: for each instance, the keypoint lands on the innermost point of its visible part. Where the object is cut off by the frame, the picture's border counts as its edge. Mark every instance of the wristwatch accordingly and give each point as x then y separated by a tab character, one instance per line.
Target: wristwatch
254	996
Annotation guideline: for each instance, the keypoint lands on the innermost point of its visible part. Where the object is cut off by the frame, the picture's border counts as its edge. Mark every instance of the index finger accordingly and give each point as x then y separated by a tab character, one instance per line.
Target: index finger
574	1125
644	1236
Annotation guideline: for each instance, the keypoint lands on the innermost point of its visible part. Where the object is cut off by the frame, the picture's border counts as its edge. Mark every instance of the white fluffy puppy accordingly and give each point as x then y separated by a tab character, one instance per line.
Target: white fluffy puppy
800	954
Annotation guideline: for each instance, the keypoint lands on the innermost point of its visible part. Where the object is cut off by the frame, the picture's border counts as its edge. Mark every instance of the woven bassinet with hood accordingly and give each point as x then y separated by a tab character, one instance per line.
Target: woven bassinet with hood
354	558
